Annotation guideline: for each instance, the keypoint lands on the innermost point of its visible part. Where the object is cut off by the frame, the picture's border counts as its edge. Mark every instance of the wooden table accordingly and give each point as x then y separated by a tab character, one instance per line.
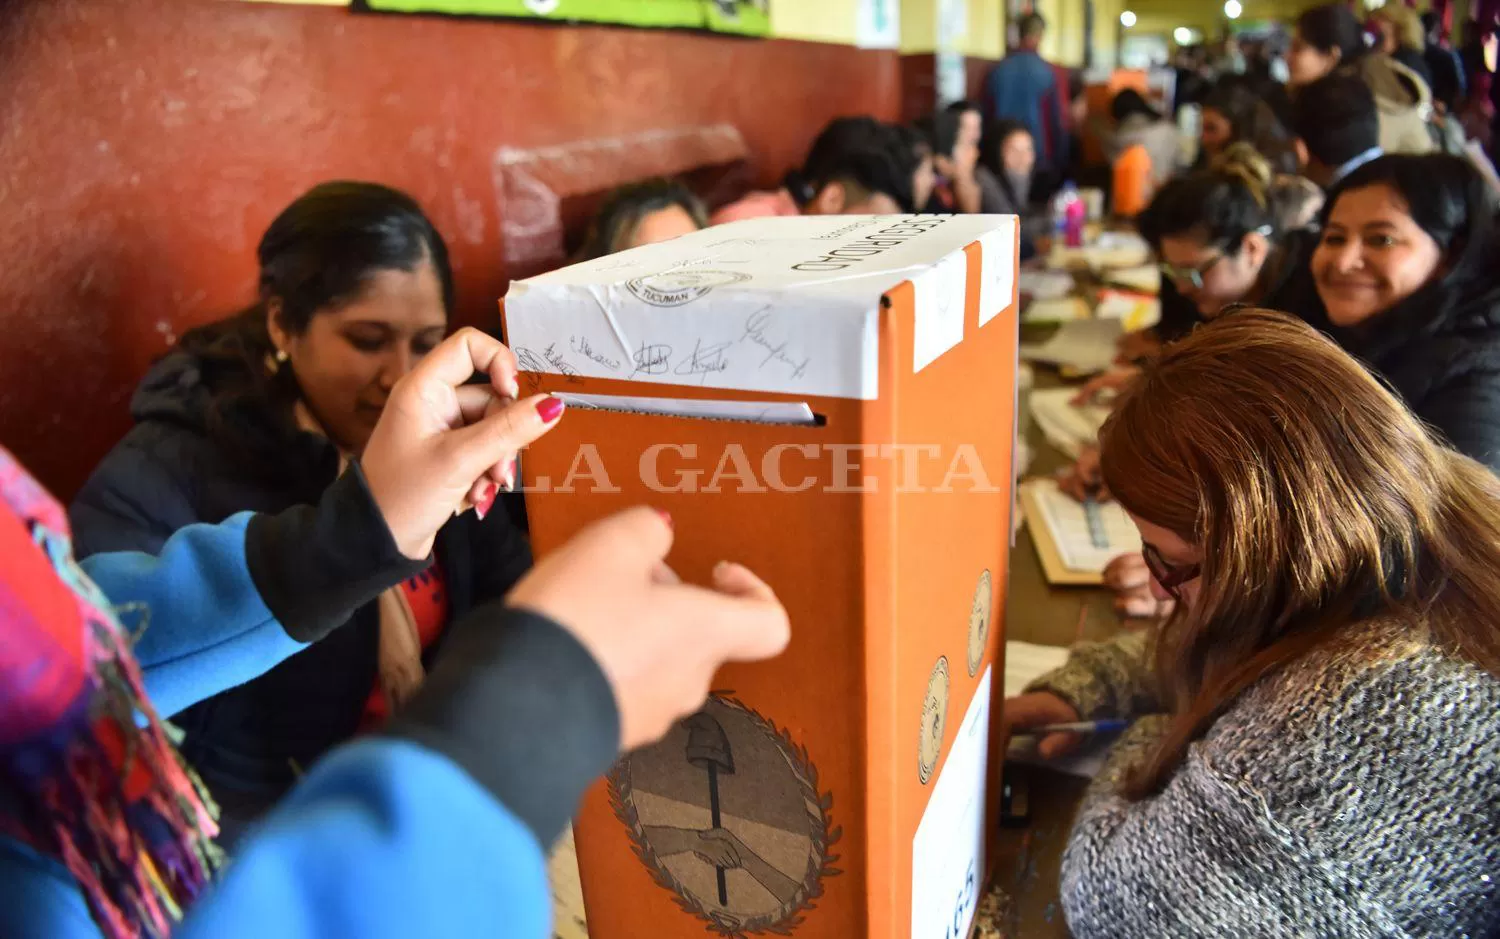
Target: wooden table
1023	903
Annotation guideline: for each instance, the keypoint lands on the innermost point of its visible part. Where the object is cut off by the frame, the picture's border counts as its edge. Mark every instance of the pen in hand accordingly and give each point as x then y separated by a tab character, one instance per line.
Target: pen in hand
1076	727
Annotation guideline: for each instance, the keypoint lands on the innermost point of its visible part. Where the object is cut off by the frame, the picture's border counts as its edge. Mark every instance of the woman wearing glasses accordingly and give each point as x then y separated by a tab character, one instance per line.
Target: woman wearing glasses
1322	756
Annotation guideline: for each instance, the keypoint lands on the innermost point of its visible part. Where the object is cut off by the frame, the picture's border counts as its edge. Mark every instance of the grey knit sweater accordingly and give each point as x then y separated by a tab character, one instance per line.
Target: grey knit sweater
1357	793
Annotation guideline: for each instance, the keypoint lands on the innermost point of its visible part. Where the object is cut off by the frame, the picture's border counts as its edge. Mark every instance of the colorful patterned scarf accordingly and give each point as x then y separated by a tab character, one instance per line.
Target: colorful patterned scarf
88	775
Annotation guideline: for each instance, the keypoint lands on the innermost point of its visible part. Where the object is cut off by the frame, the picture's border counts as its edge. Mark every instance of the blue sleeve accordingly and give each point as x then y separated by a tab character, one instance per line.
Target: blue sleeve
382	840
201	625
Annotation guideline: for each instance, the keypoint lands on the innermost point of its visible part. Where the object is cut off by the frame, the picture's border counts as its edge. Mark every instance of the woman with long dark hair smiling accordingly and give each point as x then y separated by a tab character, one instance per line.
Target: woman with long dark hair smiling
261	412
1317	752
1407	280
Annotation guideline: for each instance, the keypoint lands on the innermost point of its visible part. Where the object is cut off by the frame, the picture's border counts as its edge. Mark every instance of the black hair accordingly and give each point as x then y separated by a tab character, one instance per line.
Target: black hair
1336	118
944	130
317	255
963	106
994	142
1431	22
1031	26
1219	205
1252	121
1332	26
622	211
991	154
1449	200
1129	103
859	151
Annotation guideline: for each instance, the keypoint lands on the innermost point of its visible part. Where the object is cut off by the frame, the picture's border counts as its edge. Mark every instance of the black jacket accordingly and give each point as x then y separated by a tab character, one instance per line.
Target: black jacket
1440	351
177	467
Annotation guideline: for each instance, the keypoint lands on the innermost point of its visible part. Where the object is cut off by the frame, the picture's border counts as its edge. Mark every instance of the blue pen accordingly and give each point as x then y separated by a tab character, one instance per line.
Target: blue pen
1077	727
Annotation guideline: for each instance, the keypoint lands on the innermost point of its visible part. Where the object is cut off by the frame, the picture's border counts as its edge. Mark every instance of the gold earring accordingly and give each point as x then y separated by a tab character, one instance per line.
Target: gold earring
280	356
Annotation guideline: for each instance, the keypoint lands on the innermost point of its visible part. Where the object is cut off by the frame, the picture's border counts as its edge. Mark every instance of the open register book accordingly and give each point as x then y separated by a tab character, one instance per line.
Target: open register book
1074	541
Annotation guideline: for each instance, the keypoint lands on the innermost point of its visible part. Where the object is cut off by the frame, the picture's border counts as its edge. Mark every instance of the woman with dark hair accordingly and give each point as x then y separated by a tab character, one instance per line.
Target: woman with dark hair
955	158
262	411
1009	182
1226	235
1316	752
642	214
1330	38
1222	236
1406	281
1137	123
1234	113
856	166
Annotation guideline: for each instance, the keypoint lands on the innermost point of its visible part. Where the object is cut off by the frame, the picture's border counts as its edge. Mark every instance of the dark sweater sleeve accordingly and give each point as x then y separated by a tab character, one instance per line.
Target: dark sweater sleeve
501	554
523	708
1466	414
315	565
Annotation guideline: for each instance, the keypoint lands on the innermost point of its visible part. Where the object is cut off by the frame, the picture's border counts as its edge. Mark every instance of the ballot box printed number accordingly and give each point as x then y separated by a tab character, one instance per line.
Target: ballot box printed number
725	812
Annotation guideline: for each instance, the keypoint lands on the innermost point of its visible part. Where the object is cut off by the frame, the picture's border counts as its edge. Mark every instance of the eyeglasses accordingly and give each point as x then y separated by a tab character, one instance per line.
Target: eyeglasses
1190	275
1170	576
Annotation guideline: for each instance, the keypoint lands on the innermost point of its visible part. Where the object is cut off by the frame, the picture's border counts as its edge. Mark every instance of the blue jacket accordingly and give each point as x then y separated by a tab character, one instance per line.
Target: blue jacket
434	830
1023	87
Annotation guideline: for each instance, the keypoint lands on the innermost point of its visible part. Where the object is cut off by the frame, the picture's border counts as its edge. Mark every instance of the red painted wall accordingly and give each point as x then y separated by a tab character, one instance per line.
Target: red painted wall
145	145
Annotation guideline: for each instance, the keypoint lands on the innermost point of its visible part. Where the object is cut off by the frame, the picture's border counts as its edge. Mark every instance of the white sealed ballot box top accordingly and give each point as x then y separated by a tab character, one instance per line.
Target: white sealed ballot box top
782	305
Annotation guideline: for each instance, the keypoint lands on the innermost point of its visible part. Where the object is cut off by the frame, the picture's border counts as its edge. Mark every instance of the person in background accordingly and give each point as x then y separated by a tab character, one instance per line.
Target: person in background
1137	123
954	158
918	150
1337	127
856	166
1234	113
1008	184
1406	281
436	827
263	411
1477	113
1328	39
1444	67
1314	748
1225	236
970	121
643	213
1399	34
1023	87
1221	236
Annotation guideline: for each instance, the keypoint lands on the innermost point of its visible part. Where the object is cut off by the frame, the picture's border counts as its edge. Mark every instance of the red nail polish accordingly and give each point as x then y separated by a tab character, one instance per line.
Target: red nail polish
666	517
549	408
486	501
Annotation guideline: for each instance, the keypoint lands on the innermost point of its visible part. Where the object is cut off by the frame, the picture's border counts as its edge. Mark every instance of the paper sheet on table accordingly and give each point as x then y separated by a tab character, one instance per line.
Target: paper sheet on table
1137	311
1085	345
1110	251
1067	528
1025	662
1118	249
1059	310
1067	427
1144	278
1045	285
754	412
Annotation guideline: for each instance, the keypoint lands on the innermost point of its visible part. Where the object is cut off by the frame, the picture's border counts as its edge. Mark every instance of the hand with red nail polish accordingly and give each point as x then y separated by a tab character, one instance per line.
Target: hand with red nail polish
443	445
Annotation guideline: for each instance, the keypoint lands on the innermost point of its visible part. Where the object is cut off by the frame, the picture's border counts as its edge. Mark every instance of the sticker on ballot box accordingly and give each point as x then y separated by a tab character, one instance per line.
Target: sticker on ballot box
947	853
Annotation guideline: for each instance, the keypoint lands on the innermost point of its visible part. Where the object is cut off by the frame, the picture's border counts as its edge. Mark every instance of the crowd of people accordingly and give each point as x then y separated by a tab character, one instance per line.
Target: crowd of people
1313	747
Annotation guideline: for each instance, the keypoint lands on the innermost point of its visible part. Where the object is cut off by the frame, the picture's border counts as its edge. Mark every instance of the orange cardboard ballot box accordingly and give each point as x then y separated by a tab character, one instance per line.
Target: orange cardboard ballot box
831	401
